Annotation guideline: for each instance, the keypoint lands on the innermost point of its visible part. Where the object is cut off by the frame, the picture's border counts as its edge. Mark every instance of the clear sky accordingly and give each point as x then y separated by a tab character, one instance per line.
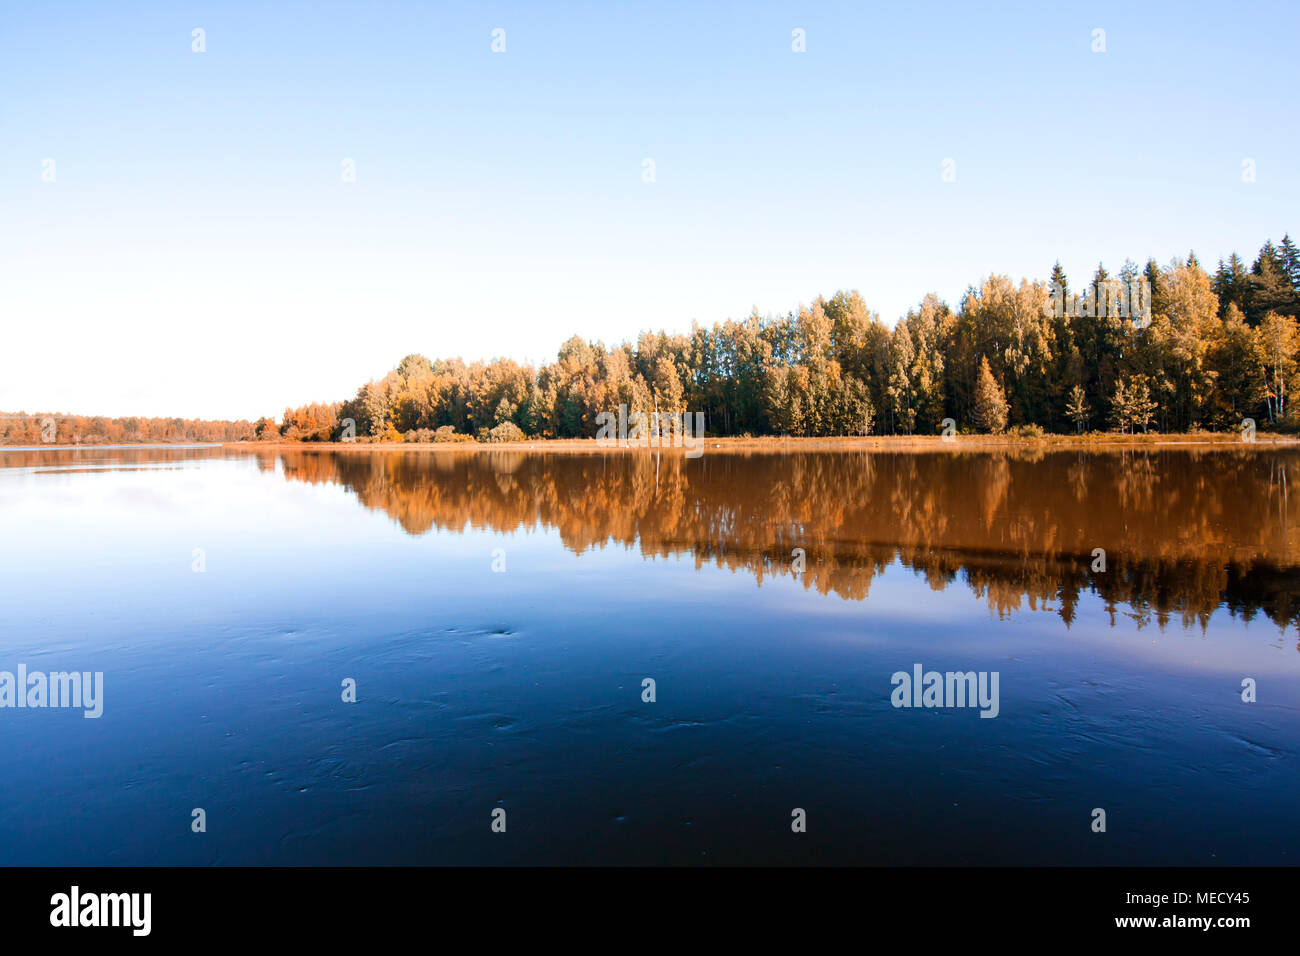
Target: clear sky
200	254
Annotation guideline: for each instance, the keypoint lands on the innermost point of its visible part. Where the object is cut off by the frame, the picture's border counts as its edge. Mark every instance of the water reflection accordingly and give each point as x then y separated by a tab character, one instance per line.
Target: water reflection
1184	531
524	689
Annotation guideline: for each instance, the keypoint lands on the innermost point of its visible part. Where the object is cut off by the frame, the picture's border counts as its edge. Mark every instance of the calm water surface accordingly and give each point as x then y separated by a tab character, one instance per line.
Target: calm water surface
499	611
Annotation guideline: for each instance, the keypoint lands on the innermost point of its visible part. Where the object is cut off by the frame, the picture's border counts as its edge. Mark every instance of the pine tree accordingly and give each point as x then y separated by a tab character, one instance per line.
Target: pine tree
1155	279
1232	284
990	412
1290	256
1059	278
1270	287
1221	284
1098	290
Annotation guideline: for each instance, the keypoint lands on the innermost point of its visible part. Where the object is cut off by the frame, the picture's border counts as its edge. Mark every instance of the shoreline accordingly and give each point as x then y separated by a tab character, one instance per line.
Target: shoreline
848	443
867	441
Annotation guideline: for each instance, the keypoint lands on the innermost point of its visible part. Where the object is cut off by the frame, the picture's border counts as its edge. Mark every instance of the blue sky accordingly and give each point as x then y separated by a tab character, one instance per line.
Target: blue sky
198	252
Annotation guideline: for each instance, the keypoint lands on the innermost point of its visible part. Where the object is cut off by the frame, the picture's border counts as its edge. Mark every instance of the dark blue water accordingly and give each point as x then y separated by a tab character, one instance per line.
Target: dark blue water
521	689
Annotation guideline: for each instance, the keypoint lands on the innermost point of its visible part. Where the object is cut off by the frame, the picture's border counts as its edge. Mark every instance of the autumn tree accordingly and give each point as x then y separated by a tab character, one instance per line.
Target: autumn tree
990	410
1276	347
1077	408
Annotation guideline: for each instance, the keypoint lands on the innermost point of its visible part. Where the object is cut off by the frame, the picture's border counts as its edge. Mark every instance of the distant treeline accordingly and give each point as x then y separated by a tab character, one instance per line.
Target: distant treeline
37	429
1218	349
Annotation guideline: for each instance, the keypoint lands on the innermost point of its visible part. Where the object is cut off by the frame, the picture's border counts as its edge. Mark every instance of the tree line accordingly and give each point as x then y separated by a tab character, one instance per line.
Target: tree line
1218	349
51	428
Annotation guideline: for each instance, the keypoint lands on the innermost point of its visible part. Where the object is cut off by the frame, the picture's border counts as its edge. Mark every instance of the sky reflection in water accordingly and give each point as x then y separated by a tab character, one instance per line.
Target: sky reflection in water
1119	689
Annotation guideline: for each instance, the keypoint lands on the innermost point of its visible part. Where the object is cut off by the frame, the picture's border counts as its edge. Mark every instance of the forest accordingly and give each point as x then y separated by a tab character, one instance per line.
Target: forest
1219	348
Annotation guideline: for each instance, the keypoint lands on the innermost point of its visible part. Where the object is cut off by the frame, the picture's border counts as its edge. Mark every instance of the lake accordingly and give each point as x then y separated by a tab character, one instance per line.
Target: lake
445	656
